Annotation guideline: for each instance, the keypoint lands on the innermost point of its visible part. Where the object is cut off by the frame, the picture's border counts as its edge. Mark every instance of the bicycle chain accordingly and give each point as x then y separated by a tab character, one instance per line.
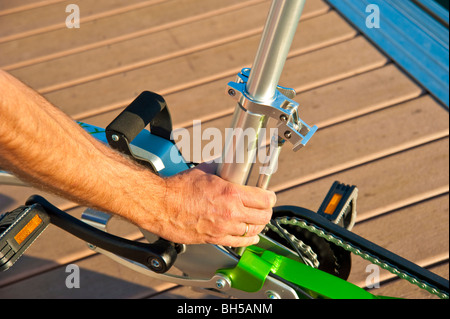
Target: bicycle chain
309	256
294	221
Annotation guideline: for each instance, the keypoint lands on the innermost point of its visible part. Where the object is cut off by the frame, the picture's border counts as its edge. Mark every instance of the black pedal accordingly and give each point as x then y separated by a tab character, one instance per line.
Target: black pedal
18	230
339	206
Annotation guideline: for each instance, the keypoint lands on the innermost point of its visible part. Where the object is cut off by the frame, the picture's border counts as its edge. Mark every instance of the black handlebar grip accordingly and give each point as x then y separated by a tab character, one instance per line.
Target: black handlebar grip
147	108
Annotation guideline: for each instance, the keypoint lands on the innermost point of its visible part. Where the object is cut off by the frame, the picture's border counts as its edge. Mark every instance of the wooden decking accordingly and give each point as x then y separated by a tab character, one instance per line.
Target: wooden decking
377	128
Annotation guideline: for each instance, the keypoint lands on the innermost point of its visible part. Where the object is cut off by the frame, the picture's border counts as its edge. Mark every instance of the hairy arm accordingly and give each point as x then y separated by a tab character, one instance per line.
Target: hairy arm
44	147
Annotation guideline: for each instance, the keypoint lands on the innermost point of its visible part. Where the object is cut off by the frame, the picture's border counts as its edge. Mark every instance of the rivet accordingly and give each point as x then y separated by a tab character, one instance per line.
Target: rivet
283	118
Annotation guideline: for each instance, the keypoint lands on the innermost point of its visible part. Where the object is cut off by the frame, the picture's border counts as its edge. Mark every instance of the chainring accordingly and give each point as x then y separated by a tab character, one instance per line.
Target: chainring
331	258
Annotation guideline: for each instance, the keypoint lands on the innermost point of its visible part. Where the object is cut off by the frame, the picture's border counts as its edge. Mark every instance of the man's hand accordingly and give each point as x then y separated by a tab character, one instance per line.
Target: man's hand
201	207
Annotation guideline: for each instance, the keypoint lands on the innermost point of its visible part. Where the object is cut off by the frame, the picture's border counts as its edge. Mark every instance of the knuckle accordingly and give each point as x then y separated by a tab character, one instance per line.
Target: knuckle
230	190
270	199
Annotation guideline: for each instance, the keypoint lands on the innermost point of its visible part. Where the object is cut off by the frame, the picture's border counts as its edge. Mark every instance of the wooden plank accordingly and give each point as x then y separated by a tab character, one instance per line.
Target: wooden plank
12	6
394	181
402	289
181	292
348	149
385	86
109	30
53	16
171	43
137	52
13	196
202	67
194	104
100	278
418	233
361	140
370	91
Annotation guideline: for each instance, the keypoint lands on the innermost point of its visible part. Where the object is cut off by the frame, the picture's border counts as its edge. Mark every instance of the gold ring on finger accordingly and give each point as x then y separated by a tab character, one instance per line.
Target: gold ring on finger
246	230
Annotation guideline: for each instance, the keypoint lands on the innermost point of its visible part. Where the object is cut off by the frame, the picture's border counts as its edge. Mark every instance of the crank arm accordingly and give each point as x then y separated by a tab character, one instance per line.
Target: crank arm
200	263
218	281
218	284
159	256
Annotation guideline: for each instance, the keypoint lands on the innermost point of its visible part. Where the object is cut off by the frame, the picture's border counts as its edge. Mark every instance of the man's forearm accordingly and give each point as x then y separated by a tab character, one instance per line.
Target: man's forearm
44	147
70	163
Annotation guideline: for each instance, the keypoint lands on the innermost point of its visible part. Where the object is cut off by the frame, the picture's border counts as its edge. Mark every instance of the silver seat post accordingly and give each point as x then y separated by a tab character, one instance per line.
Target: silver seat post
258	97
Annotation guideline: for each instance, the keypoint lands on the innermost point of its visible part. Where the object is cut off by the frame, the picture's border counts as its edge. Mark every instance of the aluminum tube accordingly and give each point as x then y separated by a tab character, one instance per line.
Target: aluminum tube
240	149
274	47
273	153
279	31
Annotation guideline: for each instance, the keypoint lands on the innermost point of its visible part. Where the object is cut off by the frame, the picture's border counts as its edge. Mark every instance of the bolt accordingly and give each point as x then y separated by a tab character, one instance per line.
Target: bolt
272	295
155	263
231	92
283	118
287	134
220	283
115	138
